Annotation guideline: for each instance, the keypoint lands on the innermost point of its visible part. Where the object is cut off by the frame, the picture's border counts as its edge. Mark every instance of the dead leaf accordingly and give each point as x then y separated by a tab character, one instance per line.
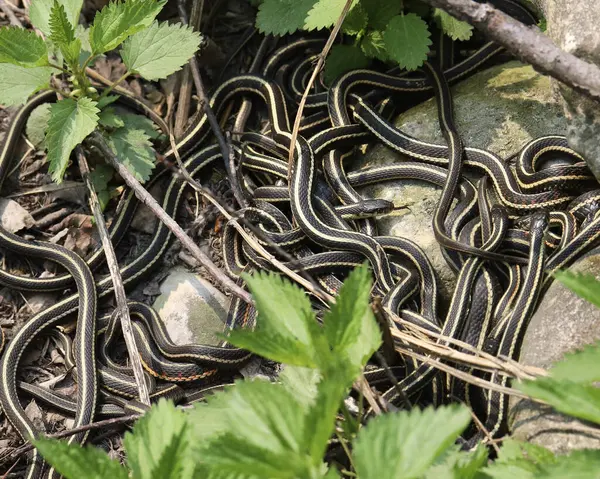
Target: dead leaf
34	413
14	217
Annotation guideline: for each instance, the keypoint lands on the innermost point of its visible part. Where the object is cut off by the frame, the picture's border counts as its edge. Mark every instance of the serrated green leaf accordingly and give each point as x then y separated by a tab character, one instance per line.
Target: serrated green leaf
407	40
63	35
36	125
512	450
110	119
459	464
22	47
451	26
17	83
373	46
39	13
103	198
70	122
160	50
583	464
74	462
356	21
119	20
579	400
284	314
324	14
406	443
280	17
301	383
342	59
579	366
380	12
83	34
519	468
160	444
61	31
256	428
140	122
585	286
101	175
350	325
107	100
134	150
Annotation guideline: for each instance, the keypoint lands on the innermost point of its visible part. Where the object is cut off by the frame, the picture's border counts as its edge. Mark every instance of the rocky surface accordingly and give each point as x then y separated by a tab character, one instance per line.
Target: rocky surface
566	322
573	25
499	109
191	308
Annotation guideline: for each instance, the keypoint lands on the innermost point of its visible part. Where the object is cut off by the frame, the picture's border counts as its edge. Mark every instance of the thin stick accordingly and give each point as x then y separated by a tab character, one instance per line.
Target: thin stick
311	81
362	385
212	120
97	140
526	43
115	273
484	431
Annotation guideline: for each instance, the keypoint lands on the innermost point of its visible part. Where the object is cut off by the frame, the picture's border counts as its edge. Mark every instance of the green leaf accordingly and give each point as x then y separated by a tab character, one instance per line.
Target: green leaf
160	50
160	444
356	21
582	401
585	286
285	323
512	450
451	26
36	125
83	34
140	122
280	17
110	119
324	14
101	175
459	464
63	35
134	150
22	47
342	59
380	12
61	31
579	366
256	428
17	83
70	122
350	325
107	100
74	462
119	20
578	464
407	40
405	444
301	383
373	46
39	13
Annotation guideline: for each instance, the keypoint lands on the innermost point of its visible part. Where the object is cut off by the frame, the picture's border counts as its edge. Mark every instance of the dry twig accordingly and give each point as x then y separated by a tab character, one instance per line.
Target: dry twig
528	44
146	198
122	309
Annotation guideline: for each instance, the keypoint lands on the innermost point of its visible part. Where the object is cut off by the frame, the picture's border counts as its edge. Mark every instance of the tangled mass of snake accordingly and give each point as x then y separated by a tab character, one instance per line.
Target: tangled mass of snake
504	225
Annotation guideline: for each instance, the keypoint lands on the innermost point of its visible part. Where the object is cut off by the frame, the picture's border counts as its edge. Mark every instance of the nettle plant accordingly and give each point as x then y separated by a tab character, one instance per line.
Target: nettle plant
57	59
261	429
386	30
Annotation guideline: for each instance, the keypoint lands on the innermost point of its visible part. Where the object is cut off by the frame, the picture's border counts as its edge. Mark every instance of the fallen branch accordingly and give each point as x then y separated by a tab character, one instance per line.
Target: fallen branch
527	44
146	198
115	273
12	18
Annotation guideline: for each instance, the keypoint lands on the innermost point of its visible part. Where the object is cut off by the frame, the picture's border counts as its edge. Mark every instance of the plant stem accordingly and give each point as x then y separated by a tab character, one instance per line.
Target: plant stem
111	87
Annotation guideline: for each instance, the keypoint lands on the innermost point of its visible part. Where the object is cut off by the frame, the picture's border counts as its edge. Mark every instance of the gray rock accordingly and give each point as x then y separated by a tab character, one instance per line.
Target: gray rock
191	308
13	216
566	322
499	109
573	25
